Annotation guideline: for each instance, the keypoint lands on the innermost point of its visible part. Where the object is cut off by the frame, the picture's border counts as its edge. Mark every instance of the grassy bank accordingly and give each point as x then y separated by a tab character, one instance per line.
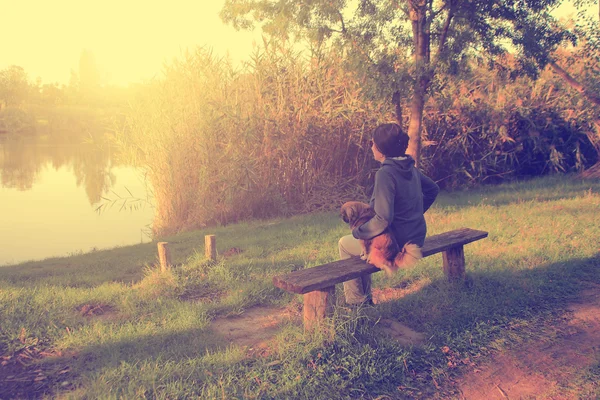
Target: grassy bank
107	324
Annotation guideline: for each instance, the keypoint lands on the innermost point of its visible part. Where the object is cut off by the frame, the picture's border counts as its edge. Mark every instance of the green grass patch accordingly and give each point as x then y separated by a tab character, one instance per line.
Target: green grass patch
121	329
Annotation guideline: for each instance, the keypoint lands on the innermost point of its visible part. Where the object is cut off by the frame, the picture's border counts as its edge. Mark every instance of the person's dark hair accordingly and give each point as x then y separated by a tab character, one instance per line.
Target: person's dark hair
390	140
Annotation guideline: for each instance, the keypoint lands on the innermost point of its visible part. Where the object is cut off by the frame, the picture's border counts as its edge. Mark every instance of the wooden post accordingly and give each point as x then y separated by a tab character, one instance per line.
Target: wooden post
317	306
454	263
164	256
210	247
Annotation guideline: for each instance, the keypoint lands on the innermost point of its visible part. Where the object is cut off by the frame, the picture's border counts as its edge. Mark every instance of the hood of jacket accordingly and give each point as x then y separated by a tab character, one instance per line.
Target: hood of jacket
401	164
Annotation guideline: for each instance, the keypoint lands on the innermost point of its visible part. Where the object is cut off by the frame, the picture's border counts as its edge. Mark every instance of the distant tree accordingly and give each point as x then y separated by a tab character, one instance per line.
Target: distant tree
14	86
72	89
89	76
52	94
73	81
403	43
35	89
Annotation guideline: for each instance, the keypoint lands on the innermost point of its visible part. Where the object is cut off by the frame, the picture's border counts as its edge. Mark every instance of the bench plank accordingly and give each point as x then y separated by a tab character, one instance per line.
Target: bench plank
307	280
326	275
444	241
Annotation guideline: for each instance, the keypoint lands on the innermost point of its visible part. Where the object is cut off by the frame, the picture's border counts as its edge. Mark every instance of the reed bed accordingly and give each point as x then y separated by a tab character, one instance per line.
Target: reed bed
288	133
277	137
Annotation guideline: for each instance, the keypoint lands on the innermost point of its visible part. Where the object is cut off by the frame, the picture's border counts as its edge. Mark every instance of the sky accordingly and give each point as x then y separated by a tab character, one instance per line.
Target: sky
130	39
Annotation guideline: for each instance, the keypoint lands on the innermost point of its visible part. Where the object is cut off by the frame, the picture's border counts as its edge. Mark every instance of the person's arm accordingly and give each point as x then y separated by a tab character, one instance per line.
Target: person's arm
383	204
430	191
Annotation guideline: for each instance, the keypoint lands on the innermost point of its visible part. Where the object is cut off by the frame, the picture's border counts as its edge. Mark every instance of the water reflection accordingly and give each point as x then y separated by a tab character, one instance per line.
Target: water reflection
50	186
23	157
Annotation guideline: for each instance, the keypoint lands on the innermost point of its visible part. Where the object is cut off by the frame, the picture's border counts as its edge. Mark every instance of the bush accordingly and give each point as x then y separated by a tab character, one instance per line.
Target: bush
16	120
484	131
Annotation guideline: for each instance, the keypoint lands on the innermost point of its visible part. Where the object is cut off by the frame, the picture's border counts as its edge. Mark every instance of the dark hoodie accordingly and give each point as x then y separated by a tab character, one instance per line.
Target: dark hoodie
400	197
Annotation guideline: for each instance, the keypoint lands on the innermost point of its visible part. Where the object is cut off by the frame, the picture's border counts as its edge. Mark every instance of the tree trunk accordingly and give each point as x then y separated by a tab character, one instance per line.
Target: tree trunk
421	39
397	107
416	121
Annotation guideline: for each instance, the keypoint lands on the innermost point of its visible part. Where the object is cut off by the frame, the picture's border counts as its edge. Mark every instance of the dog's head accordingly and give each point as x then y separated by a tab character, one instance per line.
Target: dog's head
352	211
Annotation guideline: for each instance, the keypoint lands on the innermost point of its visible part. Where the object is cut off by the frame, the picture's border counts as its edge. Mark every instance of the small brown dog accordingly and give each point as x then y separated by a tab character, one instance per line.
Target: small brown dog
381	251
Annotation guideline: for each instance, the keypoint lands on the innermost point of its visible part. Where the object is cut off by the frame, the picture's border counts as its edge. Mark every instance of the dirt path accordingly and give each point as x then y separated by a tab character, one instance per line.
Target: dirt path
257	326
544	370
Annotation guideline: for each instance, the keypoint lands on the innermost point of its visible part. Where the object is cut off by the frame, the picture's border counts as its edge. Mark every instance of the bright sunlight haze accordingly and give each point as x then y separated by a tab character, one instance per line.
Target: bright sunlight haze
130	40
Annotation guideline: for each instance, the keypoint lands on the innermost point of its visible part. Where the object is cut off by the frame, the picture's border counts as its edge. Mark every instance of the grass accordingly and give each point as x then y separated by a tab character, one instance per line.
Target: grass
108	324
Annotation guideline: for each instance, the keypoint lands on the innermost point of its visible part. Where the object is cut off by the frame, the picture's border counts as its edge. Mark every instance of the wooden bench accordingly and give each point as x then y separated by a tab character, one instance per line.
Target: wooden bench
317	284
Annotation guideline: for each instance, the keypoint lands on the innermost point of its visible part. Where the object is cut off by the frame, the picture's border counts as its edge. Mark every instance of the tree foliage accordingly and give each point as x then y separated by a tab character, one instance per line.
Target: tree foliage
14	85
579	68
403	43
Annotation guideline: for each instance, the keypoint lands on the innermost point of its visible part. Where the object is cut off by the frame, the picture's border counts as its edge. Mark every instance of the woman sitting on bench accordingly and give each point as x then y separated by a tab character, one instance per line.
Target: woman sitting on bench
401	195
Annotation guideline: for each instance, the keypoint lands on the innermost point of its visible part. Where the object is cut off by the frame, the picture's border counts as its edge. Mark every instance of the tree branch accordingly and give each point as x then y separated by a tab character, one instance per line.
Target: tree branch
343	31
364	53
574	83
397	106
444	34
342	21
434	14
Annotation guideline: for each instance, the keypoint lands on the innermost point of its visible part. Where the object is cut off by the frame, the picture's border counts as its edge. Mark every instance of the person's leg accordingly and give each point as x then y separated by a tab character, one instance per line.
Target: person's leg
357	290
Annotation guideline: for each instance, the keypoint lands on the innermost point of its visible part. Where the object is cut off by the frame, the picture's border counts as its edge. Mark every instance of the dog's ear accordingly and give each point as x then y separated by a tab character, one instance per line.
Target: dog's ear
344	213
349	214
345	217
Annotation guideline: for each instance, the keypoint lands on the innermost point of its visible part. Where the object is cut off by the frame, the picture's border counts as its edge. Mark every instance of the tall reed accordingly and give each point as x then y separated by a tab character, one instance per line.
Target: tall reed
285	134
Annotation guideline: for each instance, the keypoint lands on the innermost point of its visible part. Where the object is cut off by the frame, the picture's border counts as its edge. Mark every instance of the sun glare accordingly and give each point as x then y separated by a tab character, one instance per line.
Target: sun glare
130	40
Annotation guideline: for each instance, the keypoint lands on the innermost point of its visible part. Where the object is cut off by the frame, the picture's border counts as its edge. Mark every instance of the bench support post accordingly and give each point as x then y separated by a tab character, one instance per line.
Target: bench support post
317	306
454	263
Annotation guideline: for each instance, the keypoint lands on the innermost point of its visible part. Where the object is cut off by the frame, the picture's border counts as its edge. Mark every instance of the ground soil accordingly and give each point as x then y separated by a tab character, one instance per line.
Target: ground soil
24	376
34	371
543	370
538	370
256	328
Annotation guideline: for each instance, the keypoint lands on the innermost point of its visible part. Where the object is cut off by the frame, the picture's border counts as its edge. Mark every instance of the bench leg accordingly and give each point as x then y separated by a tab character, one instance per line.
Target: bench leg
317	306
454	263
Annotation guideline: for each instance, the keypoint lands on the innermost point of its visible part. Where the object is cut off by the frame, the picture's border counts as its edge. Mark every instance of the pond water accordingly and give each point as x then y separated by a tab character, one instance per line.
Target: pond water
63	196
